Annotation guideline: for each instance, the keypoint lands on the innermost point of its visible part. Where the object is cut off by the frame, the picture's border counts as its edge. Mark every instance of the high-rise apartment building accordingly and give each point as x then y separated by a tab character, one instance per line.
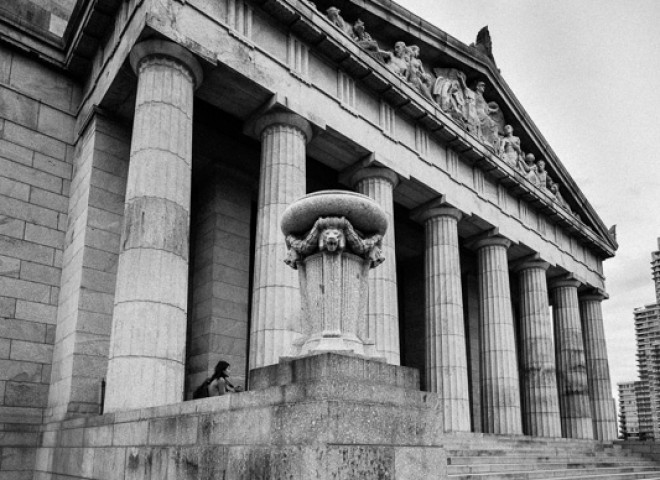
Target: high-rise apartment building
647	389
628	410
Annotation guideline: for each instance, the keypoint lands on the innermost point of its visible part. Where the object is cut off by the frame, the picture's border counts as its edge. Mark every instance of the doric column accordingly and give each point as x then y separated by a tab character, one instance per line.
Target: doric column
147	344
446	356
540	399
276	308
598	368
383	310
499	374
571	366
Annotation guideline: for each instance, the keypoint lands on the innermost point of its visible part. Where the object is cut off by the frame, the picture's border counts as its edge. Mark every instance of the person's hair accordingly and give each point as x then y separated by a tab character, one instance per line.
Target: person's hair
220	369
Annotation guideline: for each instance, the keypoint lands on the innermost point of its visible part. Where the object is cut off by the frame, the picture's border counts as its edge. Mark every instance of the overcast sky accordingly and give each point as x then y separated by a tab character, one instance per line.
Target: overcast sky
587	73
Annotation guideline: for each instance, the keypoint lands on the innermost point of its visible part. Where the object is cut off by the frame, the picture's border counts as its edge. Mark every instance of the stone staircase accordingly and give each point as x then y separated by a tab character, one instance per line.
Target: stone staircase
518	458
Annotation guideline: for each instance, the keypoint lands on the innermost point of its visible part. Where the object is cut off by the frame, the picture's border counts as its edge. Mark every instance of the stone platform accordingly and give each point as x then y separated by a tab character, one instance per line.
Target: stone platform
328	416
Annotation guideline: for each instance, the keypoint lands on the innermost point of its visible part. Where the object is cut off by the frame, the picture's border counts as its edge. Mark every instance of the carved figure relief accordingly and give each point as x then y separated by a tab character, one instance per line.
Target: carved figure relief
417	76
333	14
449	90
333	234
510	150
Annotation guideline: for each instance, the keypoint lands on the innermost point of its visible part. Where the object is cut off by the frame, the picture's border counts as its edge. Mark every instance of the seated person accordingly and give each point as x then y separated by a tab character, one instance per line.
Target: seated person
220	383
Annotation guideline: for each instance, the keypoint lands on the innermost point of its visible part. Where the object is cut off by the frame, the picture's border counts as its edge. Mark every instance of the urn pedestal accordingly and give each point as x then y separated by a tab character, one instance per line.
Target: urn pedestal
334	239
335	292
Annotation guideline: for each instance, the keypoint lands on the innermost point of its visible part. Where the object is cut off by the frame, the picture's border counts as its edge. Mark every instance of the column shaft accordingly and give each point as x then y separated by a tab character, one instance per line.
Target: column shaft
446	356
598	368
383	309
540	399
276	308
147	346
571	367
499	380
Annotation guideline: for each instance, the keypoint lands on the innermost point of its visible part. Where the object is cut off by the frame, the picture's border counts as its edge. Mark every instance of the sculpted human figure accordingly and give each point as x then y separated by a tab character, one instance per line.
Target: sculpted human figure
510	150
472	121
448	92
528	167
333	14
362	37
554	191
487	112
397	61
542	173
417	76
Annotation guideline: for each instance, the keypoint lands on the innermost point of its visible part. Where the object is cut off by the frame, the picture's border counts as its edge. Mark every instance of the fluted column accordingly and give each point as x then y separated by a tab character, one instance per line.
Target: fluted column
598	368
499	374
571	366
276	310
446	356
383	309
147	344
540	401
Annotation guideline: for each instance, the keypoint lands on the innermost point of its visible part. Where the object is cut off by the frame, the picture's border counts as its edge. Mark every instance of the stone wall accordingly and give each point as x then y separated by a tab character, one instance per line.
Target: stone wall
86	300
37	107
220	280
321	417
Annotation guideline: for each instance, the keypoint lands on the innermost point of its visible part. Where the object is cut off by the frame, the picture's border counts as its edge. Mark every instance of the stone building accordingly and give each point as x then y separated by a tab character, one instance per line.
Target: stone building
148	149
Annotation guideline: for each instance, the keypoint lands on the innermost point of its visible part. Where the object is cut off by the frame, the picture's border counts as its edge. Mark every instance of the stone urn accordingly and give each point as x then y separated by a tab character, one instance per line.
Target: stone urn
333	239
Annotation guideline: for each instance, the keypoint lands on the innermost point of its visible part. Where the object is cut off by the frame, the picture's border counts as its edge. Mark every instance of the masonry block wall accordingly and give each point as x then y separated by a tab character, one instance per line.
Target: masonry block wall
221	278
86	301
37	108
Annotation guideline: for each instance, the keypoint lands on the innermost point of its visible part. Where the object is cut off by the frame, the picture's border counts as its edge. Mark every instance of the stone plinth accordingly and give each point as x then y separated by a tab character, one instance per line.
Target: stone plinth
322	417
334	288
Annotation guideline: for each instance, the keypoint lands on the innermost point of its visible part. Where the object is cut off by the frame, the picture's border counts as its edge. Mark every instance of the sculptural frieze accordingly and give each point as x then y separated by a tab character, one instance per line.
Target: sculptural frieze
448	88
334	235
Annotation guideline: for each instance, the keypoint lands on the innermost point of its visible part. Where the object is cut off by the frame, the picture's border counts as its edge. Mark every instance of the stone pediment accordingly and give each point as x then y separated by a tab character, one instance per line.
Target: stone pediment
453	90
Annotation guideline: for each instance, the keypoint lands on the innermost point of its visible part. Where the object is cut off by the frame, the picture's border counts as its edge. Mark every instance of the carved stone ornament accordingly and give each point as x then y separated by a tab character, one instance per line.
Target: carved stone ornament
466	106
334	238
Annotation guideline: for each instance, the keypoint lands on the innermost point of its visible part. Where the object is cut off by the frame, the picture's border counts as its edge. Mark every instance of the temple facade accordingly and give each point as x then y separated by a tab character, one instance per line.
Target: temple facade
148	154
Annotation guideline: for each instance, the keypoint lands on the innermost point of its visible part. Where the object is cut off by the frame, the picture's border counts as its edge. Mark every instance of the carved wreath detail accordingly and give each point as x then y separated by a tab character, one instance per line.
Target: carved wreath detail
334	234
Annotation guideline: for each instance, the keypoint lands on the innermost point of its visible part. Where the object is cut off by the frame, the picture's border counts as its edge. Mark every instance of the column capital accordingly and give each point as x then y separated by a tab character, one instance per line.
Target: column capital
375	172
283	118
435	208
595	294
564	281
490	239
164	48
532	261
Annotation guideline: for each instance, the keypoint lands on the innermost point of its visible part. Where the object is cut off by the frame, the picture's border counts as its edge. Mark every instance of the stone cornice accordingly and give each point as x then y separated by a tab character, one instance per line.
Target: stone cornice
311	26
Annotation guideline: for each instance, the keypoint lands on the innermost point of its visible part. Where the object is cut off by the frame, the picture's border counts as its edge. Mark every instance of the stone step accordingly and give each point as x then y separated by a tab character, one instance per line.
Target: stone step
536	466
615	473
546	458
